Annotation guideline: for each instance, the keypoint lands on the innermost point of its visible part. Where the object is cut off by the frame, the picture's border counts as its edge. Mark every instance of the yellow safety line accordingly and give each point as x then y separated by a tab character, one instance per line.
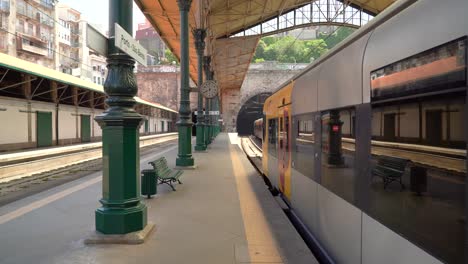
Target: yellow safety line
261	242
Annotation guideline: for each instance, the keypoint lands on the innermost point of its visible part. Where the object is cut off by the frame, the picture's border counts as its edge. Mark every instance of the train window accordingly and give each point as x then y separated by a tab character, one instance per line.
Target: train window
303	145
272	137
338	152
418	172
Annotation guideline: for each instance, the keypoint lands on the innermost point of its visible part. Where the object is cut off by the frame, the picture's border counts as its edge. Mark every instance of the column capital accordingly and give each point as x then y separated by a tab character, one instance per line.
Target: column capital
199	34
184	5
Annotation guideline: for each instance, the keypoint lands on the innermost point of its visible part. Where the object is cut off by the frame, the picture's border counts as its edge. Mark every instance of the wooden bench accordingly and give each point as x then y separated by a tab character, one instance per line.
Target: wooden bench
164	174
390	169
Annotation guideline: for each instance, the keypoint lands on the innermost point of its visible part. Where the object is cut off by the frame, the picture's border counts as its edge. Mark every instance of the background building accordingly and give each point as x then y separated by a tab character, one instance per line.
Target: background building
68	40
27	30
150	40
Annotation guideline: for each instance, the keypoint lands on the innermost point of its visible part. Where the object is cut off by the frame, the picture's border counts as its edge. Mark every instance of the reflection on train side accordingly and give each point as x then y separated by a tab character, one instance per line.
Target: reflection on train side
429	192
417	166
338	162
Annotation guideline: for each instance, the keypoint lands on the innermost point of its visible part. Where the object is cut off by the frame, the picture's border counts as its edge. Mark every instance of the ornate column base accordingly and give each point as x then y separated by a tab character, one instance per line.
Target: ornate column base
122	211
121	220
184	158
200	138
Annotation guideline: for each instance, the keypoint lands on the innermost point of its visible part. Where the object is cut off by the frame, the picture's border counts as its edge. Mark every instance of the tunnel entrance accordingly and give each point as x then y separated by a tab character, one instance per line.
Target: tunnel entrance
250	111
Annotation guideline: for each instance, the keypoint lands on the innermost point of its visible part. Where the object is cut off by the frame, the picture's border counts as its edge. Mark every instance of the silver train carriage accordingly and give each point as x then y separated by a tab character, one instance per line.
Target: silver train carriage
368	144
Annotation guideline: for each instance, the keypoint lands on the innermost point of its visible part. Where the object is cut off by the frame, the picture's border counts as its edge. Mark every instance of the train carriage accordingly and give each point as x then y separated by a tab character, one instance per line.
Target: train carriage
392	95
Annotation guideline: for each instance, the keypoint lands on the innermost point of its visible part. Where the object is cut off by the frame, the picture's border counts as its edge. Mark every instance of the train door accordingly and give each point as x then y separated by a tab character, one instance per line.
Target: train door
284	153
44	129
434	127
389	127
85	128
146	126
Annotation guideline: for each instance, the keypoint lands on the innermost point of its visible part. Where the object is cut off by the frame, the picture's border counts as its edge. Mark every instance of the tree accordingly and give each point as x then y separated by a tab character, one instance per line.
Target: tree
260	51
289	50
170	58
314	49
339	35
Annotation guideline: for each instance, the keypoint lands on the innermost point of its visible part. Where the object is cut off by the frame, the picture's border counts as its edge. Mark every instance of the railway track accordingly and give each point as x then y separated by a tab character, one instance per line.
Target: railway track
253	152
21	165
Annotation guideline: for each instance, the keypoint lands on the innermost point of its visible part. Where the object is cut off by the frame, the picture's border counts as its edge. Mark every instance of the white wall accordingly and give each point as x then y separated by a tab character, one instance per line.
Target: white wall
15	128
409	120
97	131
67	122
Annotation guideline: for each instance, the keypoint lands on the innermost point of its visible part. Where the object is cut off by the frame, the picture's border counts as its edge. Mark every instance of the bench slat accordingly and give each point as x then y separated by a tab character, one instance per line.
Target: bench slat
164	173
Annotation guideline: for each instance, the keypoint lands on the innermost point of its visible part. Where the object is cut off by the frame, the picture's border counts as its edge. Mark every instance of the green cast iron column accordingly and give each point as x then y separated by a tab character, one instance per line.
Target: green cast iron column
206	67
216	116
122	210
184	125
211	105
209	125
199	35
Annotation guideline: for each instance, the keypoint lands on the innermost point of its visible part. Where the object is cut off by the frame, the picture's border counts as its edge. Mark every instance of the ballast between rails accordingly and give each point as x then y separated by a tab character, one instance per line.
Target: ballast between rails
25	164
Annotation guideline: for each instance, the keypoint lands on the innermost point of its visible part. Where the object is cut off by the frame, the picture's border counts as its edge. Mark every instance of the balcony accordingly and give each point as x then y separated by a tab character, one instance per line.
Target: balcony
26	45
29	13
48	3
47	21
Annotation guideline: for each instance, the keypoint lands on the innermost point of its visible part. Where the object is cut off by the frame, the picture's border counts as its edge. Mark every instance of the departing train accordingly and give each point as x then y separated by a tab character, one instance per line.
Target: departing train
368	144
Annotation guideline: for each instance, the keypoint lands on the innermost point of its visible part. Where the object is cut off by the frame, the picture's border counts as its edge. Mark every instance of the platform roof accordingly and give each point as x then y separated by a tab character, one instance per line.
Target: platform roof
223	18
33	69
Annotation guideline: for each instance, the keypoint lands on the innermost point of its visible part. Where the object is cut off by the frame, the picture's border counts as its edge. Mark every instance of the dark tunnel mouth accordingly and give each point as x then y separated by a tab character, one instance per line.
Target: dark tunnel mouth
250	111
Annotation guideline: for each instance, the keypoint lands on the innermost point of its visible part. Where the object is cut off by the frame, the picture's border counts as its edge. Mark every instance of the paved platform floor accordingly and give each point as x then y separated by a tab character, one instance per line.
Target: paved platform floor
222	213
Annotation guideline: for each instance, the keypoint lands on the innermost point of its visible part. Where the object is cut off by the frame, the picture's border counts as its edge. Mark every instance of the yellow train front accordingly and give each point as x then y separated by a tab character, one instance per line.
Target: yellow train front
367	146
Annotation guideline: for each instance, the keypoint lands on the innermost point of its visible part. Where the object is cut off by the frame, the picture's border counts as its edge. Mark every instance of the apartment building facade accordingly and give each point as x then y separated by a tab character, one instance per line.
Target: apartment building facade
27	30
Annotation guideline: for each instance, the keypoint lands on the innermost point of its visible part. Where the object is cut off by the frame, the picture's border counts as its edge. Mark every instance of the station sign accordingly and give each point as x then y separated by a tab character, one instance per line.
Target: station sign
126	43
98	42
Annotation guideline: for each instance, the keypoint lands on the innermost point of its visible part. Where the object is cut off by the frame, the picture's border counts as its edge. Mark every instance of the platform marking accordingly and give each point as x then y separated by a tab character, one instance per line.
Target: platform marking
261	242
54	197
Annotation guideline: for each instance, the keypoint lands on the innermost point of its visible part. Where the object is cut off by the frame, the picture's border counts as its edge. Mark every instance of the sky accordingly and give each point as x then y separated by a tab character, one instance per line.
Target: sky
97	12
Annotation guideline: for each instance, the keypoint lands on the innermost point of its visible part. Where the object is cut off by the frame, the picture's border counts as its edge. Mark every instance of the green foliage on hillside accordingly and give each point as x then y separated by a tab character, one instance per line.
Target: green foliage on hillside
291	50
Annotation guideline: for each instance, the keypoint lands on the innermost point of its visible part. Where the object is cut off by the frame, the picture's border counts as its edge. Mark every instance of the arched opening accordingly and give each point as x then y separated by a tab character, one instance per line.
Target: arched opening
250	111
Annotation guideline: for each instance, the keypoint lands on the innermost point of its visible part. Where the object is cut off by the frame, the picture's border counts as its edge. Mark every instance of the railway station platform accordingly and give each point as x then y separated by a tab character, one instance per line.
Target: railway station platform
222	213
